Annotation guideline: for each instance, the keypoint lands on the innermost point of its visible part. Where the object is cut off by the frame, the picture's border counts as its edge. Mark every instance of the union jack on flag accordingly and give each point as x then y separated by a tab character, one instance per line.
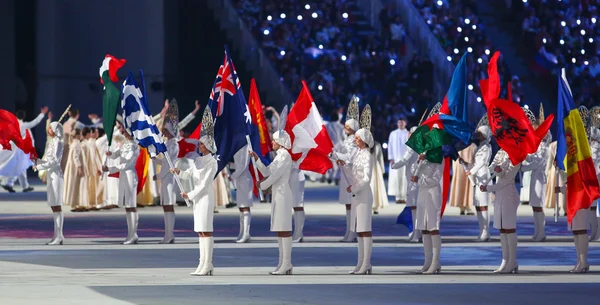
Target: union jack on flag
224	83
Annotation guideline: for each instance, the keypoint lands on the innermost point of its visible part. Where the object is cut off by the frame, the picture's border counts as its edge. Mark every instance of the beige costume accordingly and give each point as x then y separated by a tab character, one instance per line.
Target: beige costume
461	190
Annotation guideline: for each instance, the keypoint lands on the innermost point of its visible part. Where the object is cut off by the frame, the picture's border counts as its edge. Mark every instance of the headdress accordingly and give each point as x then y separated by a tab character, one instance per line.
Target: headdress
529	115
484	127
352	116
435	110
584	113
595	123
207	134
281	137
364	133
171	119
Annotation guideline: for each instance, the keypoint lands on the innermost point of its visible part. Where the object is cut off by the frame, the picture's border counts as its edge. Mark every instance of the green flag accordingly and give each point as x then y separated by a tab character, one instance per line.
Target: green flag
110	105
429	142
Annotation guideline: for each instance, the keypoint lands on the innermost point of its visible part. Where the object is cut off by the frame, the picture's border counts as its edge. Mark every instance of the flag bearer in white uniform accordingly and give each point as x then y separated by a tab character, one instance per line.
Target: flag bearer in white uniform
345	153
54	176
478	172
536	163
244	185
361	193
278	177
505	209
297	182
203	195
168	197
579	225
595	149
410	161
126	158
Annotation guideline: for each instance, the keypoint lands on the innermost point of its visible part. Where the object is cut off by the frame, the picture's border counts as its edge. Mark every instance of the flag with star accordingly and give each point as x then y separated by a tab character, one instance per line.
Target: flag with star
232	116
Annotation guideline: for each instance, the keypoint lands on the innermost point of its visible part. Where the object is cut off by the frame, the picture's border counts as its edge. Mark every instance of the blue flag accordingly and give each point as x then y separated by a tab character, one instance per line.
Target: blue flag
232	117
137	117
405	218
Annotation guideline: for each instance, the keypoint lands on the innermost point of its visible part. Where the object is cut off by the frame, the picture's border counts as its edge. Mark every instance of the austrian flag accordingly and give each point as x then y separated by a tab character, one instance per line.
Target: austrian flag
311	144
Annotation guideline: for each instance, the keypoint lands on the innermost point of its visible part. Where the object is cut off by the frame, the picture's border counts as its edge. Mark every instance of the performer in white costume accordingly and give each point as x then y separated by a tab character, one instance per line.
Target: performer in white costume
429	212
278	177
203	195
110	184
244	187
410	161
74	174
297	182
380	198
335	129
54	176
25	128
478	172
506	204
345	153
127	156
361	194
579	226
42	173
397	185
595	148
167	181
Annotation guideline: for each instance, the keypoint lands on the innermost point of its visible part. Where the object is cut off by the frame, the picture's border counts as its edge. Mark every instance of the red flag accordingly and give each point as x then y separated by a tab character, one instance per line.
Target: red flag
141	168
258	119
445	184
311	144
10	130
186	146
112	65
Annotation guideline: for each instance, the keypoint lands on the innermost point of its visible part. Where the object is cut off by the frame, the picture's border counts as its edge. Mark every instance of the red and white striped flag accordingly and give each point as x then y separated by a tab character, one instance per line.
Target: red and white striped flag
311	144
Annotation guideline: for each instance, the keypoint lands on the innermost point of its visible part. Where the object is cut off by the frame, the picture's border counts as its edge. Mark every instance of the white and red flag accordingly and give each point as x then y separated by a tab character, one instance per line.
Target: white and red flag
311	144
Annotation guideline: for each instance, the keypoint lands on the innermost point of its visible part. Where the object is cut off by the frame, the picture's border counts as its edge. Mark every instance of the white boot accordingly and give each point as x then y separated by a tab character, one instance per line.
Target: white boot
366	267
511	266
504	243
594	223
436	241
417	236
207	267
280	244
128	218
412	238
485	235
134	218
298	226
286	264
361	255
540	226
347	235
536	228
202	257
246	218
480	222
578	252
428	251
169	227
58	231
241	227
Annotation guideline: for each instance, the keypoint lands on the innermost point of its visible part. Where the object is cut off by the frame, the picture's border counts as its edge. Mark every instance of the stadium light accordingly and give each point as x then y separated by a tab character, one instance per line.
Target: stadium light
344	57
282	53
459	29
564	24
544	40
455	51
320	47
266	32
412	110
467	39
469	49
578	21
470	87
593	19
479	60
487	51
320	87
591	40
440	3
582	51
526	106
392	62
449	58
345	15
269	18
573	60
384	146
562	41
299	17
586	62
307	6
315	15
479	99
282	16
467	21
474	27
582	32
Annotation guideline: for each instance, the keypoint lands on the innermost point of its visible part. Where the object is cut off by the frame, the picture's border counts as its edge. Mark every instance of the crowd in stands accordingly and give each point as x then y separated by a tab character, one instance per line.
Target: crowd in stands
324	43
458	29
567	32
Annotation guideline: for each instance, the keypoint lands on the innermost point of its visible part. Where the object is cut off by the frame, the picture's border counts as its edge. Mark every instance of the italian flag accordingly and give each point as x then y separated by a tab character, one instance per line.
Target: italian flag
111	95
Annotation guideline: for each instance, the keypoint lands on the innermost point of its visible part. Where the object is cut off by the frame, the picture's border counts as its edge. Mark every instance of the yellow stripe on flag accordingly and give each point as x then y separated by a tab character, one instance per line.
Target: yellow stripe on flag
578	147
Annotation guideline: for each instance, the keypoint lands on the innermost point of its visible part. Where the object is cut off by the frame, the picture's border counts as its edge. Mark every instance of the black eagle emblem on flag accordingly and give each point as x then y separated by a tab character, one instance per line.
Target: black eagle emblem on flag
507	127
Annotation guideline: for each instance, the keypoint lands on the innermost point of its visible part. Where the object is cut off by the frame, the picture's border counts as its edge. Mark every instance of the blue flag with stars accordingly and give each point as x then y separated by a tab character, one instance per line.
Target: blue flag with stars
231	113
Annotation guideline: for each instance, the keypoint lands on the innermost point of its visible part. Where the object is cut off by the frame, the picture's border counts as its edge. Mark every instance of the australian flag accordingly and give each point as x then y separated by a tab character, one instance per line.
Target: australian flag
232	117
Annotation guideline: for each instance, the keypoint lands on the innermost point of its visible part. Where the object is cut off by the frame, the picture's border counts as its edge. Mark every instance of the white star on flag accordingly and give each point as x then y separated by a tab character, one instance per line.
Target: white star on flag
218	158
247	115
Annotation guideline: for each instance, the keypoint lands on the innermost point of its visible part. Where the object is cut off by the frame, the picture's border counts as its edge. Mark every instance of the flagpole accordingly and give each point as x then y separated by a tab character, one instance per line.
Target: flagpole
557	194
342	170
260	193
187	202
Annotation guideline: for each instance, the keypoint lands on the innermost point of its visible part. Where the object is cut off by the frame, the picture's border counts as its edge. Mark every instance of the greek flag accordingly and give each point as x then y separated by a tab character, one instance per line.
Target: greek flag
137	117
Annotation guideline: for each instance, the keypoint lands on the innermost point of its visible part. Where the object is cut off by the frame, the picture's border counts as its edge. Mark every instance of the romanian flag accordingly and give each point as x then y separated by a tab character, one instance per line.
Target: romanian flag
573	153
259	133
141	168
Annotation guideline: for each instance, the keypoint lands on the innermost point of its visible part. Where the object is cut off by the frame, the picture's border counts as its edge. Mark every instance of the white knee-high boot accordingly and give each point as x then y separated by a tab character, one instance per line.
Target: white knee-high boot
286	264
298	226
58	229
504	243
536	227
207	267
485	235
540	226
348	232
436	241
128	218
169	227
512	266
428	251
280	244
133	221
366	267
201	258
480	222
241	227
246	219
361	255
